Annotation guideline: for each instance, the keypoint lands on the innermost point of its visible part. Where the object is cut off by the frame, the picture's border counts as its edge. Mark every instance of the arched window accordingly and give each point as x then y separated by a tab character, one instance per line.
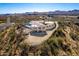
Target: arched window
43	27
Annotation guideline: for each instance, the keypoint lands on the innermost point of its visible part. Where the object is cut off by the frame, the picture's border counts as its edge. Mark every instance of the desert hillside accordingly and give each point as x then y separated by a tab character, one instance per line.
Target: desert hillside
64	41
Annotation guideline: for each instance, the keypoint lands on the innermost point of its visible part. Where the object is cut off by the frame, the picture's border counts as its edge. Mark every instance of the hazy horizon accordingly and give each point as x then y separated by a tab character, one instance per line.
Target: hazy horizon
36	7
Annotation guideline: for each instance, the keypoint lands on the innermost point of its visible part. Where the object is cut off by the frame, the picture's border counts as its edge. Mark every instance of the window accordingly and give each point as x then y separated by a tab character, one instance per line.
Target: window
39	27
43	27
49	25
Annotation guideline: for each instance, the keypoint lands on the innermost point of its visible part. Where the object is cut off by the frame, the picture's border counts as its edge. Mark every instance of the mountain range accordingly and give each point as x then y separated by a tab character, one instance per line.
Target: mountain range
56	12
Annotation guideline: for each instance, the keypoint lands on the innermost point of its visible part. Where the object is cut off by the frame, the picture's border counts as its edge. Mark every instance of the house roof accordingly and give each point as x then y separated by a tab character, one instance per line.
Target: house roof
38	24
35	24
49	22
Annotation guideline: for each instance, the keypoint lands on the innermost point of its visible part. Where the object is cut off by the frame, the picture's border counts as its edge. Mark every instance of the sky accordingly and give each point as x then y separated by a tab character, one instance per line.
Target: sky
39	7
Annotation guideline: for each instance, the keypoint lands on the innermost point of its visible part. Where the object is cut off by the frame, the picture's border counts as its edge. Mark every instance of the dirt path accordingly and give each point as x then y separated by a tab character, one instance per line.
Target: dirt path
35	40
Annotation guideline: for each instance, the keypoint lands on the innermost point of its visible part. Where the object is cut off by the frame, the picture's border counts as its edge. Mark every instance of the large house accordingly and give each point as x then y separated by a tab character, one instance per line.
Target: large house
40	25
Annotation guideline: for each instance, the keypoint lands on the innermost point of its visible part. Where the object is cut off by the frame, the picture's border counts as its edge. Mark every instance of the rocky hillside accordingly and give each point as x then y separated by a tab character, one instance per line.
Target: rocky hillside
64	42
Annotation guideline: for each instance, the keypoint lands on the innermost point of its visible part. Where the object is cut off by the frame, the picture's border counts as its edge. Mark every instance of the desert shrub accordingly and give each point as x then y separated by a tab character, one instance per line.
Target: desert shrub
59	33
78	17
74	36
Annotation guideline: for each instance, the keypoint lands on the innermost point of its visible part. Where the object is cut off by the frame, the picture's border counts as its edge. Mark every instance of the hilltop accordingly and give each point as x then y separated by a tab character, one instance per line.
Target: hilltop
64	41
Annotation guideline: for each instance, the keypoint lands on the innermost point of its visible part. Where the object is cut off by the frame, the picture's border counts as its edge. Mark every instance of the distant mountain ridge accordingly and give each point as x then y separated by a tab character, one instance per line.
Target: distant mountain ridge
56	12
